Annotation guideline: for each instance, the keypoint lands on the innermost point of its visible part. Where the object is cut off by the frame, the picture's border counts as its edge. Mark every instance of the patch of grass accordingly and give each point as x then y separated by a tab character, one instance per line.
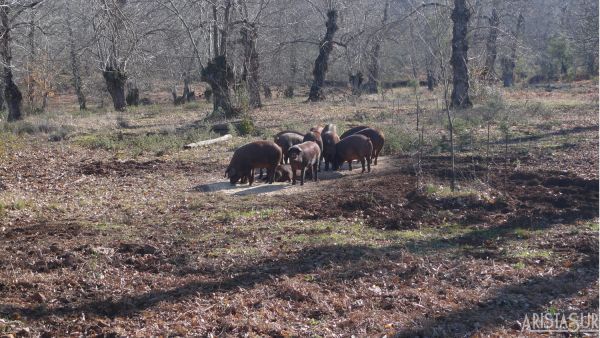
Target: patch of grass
412	234
533	253
107	226
230	216
595	225
33	127
194	105
445	191
519	265
19	204
235	251
157	144
523	233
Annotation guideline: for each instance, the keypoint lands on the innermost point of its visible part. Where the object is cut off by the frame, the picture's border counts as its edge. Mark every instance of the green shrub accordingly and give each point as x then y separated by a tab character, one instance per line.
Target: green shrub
396	141
246	127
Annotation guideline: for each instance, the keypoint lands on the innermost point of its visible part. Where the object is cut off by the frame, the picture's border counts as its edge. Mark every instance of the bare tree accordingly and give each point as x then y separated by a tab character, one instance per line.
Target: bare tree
460	91
325	48
375	62
74	60
508	62
491	49
9	11
218	73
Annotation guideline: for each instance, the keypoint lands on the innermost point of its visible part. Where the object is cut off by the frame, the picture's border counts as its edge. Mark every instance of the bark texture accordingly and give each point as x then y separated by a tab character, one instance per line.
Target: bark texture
372	85
320	69
75	66
12	94
460	74
218	74
115	84
509	62
491	49
251	64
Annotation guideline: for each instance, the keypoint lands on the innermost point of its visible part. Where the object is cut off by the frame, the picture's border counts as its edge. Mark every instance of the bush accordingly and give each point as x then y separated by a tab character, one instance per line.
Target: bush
246	127
396	141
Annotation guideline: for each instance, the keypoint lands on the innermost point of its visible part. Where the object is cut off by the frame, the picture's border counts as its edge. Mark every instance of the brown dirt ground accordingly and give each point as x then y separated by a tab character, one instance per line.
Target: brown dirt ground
93	244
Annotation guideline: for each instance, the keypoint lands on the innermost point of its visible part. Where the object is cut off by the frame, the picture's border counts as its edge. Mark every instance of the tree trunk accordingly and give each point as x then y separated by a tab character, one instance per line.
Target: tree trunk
133	95
508	63
12	95
218	74
251	64
356	83
77	84
2	107
491	50
293	71
460	73
30	62
316	90
372	85
115	84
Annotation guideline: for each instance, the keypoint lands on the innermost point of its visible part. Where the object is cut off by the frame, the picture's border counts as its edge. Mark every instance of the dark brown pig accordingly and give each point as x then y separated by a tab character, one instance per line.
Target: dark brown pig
304	156
315	136
285	132
353	147
330	139
329	127
352	131
376	138
283	173
286	140
258	154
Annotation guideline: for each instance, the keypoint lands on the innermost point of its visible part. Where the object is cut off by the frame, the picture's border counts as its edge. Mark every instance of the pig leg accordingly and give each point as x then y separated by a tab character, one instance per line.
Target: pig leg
293	175
251	178
320	158
302	175
362	162
260	173
350	165
271	175
314	171
368	164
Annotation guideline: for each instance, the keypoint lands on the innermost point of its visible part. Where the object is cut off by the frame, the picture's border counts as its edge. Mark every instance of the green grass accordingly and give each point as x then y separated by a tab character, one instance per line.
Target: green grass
595	226
231	216
533	253
158	144
519	265
397	140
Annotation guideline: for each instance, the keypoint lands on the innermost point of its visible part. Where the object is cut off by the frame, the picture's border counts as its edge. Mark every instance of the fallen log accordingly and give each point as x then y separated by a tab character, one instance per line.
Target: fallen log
207	142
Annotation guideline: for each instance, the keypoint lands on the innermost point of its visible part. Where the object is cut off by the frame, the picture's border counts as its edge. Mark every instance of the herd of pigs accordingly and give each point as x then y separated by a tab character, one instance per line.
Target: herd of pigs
305	152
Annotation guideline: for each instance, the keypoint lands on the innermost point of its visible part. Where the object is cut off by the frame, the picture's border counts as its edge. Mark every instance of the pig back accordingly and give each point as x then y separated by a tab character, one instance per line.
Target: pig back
314	136
286	140
330	139
310	151
258	154
374	135
353	147
352	131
